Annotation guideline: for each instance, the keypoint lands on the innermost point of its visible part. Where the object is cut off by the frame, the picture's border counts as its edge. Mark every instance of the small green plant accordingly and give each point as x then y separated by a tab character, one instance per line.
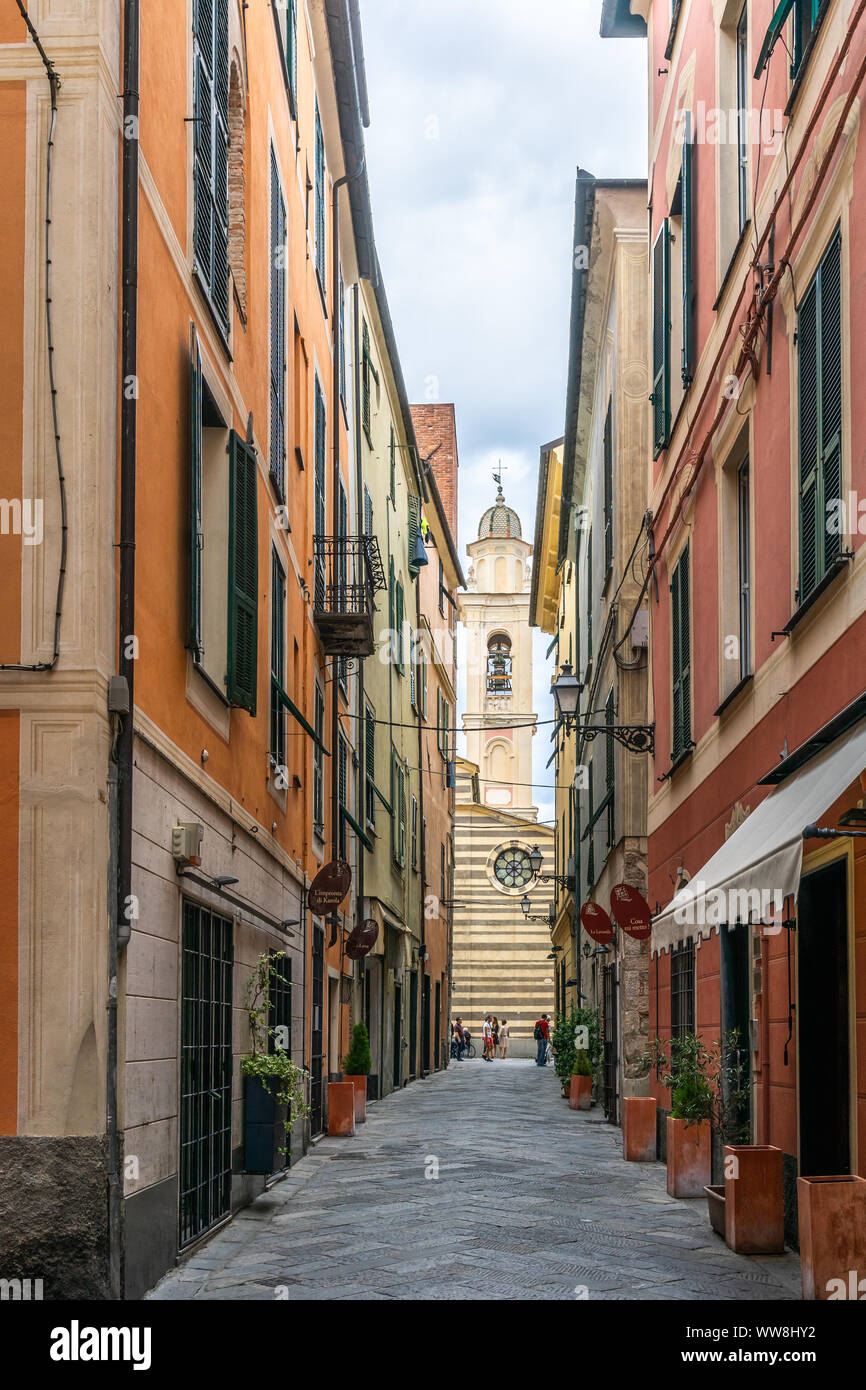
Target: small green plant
358	1060
690	1071
564	1044
272	1067
582	1065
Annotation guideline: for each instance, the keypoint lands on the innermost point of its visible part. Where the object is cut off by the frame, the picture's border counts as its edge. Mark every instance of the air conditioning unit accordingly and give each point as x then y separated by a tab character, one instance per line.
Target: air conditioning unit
186	838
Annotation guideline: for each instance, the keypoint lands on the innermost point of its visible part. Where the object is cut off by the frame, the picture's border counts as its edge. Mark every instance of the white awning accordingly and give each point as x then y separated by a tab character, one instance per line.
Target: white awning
760	864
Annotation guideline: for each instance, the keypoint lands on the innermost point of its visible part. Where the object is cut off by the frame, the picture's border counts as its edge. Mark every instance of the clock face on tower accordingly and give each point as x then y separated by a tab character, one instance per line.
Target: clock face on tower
512	869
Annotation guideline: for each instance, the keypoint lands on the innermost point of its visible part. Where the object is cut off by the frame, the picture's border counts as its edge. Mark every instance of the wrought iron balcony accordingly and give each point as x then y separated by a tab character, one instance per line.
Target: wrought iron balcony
347	574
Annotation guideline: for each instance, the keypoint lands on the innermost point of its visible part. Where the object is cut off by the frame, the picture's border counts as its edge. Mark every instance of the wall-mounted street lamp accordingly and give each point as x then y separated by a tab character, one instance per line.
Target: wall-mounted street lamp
566	690
590	951
536	859
526	907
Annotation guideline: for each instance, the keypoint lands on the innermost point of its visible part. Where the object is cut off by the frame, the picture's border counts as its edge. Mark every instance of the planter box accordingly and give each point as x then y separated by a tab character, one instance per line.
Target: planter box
341	1108
360	1085
832	1236
263	1130
639	1129
716	1208
688	1164
580	1093
754	1208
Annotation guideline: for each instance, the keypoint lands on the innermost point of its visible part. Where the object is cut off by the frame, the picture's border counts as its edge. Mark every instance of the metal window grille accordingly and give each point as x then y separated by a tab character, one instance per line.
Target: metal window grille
683	990
206	1070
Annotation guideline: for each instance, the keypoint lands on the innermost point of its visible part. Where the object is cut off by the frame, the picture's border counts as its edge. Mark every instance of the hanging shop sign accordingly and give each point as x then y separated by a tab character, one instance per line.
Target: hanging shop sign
362	939
597	923
329	887
631	910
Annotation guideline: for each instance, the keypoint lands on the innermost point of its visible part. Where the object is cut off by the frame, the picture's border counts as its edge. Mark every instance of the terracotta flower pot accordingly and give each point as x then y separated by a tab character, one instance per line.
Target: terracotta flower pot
360	1085
832	1237
688	1162
716	1208
754	1208
639	1128
341	1107
580	1093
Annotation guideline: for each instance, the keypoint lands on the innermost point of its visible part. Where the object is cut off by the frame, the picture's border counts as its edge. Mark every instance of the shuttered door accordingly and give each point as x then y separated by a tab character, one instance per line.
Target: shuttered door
243	576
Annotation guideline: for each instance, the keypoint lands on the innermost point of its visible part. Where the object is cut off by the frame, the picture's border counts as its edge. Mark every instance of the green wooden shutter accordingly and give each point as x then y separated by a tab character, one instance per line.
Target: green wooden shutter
278	331
401	810
243	575
392	606
210	148
413	671
370	766
392	464
196	532
319	495
681	651
831	391
424	683
689	205
321	263
398	623
810	519
661	338
608	489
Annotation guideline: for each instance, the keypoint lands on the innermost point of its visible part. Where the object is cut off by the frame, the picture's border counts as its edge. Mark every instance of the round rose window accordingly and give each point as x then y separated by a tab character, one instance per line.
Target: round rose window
512	868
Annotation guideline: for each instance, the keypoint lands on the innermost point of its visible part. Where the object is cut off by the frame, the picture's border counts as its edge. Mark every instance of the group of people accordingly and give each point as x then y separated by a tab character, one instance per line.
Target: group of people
494	1039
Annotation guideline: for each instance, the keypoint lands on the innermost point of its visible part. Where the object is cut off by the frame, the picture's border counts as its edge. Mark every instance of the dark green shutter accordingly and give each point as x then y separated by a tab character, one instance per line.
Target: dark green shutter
321	262
278	331
831	392
243	575
819	351
370	765
661	338
392	464
689	205
398	623
681	652
211	144
392	606
319	516
196	535
807	351
608	488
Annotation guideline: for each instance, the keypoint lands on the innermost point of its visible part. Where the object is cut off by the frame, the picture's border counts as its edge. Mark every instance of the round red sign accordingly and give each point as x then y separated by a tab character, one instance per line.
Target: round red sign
597	923
329	887
362	939
631	910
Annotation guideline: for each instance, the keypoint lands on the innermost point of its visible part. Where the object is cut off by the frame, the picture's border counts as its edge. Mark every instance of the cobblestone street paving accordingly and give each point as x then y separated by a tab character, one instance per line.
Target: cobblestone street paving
532	1201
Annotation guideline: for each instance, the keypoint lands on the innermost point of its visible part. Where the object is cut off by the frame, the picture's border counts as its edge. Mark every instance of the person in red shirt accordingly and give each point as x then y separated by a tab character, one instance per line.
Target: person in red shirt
541	1033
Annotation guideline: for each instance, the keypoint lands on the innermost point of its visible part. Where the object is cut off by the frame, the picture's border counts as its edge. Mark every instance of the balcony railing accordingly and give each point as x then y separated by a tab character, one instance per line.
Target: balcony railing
347	574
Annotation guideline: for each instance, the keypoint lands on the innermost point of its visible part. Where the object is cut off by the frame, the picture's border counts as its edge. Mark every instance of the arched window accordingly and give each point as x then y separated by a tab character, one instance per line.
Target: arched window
499	664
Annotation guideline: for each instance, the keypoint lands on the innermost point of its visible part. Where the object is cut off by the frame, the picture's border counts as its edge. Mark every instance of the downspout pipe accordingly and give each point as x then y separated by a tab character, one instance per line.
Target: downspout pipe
120	919
422	932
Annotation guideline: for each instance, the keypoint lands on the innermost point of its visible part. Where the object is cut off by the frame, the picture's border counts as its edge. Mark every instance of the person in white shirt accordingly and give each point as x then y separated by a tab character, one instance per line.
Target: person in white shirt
503	1039
487	1040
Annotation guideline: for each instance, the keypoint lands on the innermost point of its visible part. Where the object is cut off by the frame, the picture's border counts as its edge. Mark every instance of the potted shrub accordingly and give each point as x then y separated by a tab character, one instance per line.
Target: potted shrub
580	1091
356	1068
690	1071
564	1042
274	1086
754	1209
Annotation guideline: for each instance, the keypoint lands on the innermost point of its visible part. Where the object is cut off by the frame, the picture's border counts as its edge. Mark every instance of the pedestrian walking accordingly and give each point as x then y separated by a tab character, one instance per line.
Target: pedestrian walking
503	1039
487	1039
541	1033
459	1040
495	1027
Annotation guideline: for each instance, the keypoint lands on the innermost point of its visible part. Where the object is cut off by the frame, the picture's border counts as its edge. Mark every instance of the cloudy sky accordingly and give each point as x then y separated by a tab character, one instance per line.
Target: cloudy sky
481	111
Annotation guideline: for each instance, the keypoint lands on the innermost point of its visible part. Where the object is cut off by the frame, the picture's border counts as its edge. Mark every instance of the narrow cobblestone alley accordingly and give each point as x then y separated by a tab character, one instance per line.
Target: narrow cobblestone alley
532	1201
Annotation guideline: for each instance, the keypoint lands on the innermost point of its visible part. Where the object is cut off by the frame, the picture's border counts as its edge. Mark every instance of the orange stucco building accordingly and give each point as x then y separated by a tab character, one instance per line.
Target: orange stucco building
182	749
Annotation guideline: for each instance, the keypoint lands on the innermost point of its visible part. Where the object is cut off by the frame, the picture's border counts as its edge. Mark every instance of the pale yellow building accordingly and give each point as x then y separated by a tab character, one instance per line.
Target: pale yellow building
502	961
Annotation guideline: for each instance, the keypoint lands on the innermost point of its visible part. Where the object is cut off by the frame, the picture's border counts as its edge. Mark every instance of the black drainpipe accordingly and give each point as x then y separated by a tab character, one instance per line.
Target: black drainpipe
122	916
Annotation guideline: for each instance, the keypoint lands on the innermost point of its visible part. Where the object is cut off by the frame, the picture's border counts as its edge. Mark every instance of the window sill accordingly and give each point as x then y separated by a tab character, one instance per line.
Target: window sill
741	240
735	693
678	762
832	574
